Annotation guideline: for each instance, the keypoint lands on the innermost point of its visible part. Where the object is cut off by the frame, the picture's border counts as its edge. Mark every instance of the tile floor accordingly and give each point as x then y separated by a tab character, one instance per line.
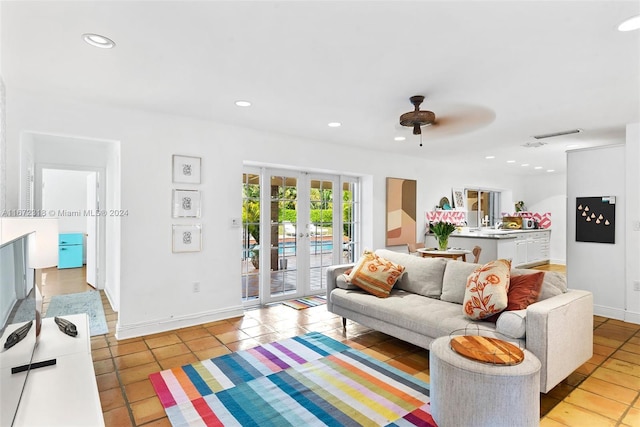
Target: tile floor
605	391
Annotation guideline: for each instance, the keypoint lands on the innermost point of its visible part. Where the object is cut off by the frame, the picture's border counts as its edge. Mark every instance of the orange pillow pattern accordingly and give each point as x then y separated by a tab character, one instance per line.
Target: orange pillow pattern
486	291
375	274
524	290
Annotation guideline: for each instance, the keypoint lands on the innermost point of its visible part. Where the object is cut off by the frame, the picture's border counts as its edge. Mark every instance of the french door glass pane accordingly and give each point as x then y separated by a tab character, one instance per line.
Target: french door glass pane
284	229
350	224
250	237
320	233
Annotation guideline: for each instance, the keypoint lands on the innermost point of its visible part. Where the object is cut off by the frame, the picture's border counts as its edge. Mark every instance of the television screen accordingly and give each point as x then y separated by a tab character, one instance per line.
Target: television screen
17	322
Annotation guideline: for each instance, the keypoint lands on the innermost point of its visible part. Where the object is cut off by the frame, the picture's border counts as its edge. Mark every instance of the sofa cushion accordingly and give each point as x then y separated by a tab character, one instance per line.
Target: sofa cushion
375	274
512	323
422	276
486	291
426	316
524	290
454	280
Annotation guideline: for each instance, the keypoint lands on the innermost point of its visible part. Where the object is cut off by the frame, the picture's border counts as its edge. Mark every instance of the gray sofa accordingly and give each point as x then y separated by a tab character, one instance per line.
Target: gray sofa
426	303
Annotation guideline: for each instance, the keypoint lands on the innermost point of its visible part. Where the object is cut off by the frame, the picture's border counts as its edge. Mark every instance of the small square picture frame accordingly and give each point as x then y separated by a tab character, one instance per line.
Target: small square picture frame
186	169
186	203
458	198
186	238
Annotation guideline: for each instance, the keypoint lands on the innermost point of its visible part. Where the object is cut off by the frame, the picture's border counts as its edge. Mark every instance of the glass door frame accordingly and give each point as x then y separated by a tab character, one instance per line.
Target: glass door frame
303	230
301	235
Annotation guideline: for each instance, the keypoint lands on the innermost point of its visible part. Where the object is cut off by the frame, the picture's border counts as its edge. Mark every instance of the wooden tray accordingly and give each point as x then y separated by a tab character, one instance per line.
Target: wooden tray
487	350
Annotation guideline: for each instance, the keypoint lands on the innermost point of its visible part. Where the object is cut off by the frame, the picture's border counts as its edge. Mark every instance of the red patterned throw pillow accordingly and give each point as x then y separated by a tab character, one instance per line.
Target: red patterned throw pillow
375	274
486	291
524	290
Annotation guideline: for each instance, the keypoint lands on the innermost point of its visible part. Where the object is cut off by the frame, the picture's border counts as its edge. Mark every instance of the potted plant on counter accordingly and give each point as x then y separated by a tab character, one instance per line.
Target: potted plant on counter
442	230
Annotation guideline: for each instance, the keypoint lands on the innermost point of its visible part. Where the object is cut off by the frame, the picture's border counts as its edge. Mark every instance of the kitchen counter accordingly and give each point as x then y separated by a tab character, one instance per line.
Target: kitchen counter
491	233
525	248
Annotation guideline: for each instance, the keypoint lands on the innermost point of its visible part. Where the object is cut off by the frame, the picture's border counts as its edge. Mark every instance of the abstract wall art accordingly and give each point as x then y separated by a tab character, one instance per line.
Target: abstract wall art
596	219
401	211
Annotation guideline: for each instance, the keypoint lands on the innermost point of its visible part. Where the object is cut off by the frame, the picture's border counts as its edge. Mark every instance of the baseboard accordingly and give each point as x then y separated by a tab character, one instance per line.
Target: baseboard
169	324
610	312
111	299
632	317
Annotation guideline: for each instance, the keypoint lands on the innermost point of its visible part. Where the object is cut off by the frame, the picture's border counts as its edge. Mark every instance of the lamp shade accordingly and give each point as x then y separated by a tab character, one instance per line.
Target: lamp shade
44	252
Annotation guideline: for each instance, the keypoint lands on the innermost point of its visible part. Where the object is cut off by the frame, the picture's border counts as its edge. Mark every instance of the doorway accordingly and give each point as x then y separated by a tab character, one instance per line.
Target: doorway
294	228
41	151
72	196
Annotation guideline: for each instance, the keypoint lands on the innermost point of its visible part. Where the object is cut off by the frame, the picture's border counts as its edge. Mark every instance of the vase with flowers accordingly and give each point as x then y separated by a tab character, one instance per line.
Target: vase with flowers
442	230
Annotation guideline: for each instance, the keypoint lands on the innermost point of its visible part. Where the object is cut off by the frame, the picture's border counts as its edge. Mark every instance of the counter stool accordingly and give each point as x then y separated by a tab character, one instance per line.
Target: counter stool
467	393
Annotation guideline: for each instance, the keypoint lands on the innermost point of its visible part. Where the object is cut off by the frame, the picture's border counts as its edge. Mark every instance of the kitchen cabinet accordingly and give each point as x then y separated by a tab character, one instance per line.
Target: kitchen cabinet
70	250
525	248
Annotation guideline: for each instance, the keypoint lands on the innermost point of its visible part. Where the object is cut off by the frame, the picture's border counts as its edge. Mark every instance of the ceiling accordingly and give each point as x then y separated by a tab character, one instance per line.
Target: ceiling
494	73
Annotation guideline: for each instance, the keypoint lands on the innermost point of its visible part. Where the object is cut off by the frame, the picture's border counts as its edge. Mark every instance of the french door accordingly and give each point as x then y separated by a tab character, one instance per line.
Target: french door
293	230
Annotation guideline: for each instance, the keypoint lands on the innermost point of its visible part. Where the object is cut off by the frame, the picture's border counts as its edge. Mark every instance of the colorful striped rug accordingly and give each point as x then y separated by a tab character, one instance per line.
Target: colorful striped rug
306	302
302	381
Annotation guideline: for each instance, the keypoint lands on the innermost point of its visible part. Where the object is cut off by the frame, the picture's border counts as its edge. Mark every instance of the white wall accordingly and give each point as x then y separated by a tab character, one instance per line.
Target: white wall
155	284
598	267
632	157
548	193
65	191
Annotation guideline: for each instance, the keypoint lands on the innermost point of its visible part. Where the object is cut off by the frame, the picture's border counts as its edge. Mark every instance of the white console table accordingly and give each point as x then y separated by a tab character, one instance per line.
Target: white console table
64	394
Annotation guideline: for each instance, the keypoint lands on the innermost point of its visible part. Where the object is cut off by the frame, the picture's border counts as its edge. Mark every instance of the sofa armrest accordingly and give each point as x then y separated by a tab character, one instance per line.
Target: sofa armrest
560	334
333	272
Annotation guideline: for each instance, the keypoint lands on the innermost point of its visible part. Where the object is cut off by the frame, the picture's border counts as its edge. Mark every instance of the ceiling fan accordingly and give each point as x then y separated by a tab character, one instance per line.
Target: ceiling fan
453	119
417	117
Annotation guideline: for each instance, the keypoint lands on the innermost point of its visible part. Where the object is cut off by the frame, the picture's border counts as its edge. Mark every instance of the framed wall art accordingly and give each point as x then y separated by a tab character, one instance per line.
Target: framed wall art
458	198
187	238
186	204
401	211
186	169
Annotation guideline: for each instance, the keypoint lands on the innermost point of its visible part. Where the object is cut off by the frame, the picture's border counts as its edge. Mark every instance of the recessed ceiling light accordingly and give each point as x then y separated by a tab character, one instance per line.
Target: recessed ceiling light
511	161
399	138
551	170
490	157
334	124
98	41
630	24
243	103
538	167
525	164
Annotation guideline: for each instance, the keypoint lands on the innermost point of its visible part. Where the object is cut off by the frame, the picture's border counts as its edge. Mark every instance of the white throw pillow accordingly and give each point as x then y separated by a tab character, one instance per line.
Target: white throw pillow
512	323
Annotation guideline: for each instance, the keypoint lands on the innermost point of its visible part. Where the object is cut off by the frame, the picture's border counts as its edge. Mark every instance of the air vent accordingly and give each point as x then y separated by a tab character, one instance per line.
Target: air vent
551	135
534	144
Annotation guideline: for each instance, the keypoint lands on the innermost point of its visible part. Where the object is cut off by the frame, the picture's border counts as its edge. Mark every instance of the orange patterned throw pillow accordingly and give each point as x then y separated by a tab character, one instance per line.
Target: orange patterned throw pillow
375	275
486	292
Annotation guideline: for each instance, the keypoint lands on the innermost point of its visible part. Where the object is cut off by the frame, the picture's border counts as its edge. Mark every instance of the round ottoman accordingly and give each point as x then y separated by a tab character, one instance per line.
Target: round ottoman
467	393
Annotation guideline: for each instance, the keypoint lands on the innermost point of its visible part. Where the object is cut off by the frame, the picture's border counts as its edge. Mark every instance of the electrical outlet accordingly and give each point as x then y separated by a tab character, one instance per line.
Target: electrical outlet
636	225
236	222
636	285
196	287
